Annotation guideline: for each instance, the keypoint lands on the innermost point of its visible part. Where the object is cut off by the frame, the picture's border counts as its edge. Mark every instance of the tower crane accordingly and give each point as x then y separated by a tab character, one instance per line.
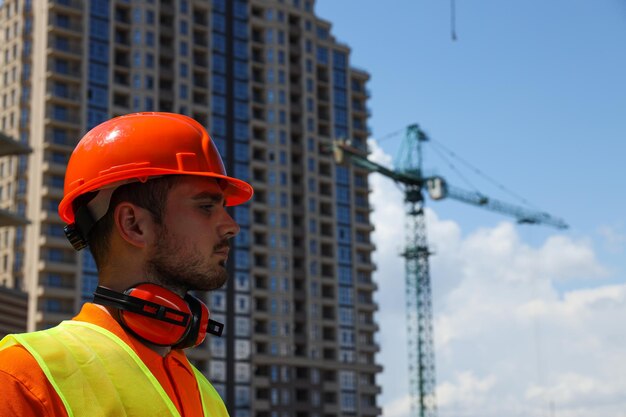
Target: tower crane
409	175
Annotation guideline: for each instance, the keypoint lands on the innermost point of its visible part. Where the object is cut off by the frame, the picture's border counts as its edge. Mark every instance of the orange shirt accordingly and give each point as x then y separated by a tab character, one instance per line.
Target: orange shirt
25	390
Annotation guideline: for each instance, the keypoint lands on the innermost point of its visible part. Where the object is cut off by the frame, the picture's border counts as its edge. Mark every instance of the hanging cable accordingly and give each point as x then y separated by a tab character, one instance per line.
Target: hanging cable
453	19
455	169
390	135
482	174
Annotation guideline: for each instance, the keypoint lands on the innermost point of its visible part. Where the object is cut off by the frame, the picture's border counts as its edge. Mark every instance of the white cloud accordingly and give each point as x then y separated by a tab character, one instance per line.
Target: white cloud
378	155
613	237
400	407
514	335
576	389
467	390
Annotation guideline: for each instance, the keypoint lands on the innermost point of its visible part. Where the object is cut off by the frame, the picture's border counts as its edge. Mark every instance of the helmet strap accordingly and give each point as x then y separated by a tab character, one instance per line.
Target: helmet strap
78	231
84	221
88	209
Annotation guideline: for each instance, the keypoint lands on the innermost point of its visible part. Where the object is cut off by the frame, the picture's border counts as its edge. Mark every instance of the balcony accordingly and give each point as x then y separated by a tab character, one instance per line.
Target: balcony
257	36
56	266
63	47
63	68
370	411
49	319
365	245
258	76
370	389
62	23
200	39
56	292
371	327
200	18
257	56
121	78
63	115
54	241
200	81
369	347
63	94
121	59
200	60
122	15
294	30
75	6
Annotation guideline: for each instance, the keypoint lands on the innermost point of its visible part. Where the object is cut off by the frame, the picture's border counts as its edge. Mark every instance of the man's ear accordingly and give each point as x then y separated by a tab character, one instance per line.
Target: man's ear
134	224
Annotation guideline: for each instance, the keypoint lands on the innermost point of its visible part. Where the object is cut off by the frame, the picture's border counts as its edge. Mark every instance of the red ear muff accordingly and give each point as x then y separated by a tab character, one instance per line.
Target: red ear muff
159	316
170	327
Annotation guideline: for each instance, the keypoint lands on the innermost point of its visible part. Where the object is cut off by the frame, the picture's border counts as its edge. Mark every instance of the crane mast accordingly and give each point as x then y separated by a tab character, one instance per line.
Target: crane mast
419	314
408	172
421	351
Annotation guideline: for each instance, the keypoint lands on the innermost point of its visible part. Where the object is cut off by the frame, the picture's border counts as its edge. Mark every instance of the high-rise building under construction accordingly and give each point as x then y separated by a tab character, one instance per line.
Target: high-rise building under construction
274	89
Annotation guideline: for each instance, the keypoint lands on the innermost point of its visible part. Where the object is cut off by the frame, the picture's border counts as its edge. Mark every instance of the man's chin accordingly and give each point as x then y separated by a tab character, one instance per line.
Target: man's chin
216	282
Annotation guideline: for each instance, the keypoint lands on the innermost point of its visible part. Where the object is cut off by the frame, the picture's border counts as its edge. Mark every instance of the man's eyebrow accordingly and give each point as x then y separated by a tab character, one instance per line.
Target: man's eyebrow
207	195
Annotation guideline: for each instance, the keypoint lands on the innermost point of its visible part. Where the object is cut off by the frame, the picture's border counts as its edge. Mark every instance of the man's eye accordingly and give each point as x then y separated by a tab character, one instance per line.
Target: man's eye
207	206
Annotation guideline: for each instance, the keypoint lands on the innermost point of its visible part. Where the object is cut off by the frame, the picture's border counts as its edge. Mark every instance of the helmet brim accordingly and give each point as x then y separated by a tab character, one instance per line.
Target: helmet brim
235	191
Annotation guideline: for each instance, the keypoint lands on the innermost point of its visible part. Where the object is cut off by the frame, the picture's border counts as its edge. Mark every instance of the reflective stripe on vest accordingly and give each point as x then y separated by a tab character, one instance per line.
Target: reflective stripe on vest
96	374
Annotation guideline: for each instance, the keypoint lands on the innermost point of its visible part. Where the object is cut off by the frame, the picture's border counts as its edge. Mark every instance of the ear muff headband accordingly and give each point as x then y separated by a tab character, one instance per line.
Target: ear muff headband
125	302
159	316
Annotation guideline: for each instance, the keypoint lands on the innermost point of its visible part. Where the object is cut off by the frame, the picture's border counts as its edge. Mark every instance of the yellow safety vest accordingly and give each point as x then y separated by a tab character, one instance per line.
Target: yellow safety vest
97	374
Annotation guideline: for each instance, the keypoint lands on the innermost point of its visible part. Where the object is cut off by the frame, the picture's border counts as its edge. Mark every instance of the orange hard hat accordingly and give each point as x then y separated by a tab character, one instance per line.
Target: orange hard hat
138	146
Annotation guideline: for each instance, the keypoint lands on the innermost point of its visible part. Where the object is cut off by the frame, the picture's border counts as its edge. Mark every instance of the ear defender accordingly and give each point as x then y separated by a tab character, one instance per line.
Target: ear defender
159	316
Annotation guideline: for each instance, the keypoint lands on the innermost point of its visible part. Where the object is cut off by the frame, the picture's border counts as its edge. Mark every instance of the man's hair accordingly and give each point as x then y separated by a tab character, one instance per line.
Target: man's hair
150	195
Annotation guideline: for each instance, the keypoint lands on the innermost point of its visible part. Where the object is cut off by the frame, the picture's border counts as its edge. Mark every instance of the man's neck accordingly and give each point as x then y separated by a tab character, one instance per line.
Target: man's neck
161	350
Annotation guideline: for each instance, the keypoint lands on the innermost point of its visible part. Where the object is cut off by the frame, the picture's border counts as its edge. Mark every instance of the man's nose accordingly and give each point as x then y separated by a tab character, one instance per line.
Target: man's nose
230	227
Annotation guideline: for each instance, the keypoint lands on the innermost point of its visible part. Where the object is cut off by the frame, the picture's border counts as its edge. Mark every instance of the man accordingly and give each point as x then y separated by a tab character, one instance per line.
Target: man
147	192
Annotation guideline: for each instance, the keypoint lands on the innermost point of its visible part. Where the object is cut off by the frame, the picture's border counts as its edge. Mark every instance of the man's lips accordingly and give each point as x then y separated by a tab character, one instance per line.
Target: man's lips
222	249
223	252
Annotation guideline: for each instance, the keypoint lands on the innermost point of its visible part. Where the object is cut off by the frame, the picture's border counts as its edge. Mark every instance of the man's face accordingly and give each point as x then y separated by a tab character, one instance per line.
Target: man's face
191	246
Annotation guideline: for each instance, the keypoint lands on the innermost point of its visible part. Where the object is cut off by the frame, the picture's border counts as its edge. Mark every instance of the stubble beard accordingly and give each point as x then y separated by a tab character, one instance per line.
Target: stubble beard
181	267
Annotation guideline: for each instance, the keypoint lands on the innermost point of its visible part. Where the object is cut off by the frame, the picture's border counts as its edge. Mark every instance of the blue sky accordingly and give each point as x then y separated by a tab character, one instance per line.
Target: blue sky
533	94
